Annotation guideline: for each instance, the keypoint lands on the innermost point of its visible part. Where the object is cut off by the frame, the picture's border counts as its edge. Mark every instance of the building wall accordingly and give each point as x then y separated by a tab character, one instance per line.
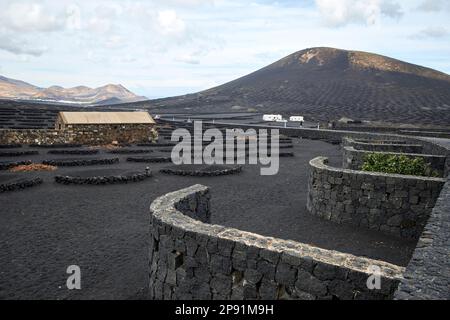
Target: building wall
191	259
354	159
105	133
84	134
59	123
395	204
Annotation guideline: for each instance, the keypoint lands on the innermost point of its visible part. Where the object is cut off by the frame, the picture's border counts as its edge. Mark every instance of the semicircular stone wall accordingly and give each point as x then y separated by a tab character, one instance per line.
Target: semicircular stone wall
192	259
391	203
387	146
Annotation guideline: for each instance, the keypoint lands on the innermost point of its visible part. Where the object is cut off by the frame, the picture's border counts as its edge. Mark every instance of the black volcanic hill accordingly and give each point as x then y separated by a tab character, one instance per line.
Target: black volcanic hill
327	84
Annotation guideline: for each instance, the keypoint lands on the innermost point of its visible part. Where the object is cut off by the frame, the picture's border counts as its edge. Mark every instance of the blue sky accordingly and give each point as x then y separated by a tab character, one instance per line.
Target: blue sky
171	47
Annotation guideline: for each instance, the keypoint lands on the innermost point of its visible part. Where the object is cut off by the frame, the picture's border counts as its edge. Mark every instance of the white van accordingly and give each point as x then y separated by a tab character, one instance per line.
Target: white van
272	117
297	119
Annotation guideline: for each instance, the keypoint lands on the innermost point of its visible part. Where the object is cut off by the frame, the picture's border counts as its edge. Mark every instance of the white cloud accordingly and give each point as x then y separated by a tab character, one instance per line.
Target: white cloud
432	32
432	5
369	12
170	24
391	9
29	17
188	58
15	46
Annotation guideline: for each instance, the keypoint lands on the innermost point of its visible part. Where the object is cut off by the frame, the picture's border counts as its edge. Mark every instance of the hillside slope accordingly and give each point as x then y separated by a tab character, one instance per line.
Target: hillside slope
327	84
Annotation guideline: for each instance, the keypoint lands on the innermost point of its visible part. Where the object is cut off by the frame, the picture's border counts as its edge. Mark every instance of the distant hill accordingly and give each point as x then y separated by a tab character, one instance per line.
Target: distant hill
111	93
327	84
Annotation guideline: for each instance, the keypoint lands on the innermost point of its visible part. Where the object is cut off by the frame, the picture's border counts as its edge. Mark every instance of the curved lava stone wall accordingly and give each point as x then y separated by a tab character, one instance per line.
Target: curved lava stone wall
80	162
391	203
202	173
383	147
150	159
110	179
129	151
20	184
10	164
10	146
75	151
17	153
191	259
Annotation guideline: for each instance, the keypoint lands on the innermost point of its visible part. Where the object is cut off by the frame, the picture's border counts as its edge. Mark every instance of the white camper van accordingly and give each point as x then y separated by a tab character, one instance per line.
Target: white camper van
272	117
297	119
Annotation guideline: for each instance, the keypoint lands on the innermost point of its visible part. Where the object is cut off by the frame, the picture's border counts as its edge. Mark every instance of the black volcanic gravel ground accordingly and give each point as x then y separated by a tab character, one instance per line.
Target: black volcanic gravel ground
104	229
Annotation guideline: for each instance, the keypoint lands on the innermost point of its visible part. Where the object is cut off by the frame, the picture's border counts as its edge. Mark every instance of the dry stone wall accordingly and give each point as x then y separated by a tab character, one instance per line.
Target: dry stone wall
30	136
377	141
103	180
219	171
80	162
5	165
98	134
20	184
83	134
10	146
383	147
391	203
427	275
18	153
191	259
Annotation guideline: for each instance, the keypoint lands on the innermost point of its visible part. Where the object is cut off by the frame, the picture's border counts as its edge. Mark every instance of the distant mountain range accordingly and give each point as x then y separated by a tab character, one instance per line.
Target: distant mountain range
327	84
109	94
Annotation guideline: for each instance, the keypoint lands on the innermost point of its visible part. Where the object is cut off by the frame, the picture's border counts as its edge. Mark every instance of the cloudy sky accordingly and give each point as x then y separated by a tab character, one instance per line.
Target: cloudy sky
169	47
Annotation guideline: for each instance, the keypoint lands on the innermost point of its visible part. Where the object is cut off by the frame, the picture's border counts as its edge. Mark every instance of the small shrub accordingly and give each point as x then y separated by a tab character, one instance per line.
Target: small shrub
397	164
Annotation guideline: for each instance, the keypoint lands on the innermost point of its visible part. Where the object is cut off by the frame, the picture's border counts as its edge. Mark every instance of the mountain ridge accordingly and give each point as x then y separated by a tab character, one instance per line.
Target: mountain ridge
363	60
21	90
